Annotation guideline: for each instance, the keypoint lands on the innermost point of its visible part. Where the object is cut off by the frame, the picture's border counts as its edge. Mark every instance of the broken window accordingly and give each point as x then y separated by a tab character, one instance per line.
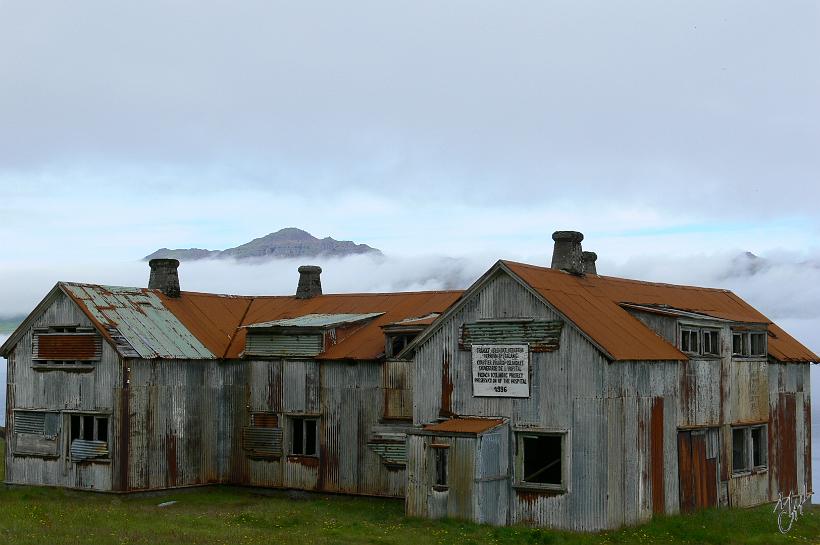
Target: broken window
758	344
749	449
304	436
541	459
396	342
689	341
701	341
440	457
88	437
711	343
749	343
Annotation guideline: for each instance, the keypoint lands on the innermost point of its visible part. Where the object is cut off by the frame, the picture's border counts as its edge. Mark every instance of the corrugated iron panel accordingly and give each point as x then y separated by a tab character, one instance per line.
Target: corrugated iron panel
33	422
88	450
278	344
540	335
141	319
67	346
317	320
391	448
262	441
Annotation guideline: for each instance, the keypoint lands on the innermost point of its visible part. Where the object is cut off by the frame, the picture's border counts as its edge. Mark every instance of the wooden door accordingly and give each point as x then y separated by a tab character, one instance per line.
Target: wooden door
698	463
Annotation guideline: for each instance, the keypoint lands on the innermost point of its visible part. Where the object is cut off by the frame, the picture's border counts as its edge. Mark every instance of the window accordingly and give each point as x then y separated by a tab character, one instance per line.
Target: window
440	457
540	460
304	436
700	341
711	344
749	343
749	449
88	437
758	344
689	341
396	342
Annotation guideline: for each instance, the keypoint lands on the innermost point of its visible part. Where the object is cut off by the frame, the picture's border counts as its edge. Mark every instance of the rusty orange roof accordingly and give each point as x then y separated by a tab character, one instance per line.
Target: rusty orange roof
465	425
219	321
593	303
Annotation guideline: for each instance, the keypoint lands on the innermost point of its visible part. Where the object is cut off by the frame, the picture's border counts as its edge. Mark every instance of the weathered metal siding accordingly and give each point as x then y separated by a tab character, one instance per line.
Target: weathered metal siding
789	429
61	390
566	393
173	423
348	399
460	499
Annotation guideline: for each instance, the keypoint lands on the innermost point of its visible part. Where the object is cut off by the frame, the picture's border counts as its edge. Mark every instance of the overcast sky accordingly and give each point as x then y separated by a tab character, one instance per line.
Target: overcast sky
675	135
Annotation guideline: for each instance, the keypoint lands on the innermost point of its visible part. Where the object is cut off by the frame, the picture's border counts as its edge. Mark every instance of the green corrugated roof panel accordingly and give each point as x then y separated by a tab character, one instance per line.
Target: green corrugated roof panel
318	320
139	323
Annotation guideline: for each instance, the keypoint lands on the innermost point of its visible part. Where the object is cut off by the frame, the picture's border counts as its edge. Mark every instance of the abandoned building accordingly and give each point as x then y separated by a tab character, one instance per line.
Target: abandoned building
543	395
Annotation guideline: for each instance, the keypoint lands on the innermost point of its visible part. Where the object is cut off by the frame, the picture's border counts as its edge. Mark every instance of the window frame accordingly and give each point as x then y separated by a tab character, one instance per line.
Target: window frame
747	343
441	466
300	420
749	450
566	460
82	419
700	333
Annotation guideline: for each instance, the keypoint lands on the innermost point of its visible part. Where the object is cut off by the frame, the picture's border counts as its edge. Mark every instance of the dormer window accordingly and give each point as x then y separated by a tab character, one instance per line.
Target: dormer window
396	342
749	343
700	341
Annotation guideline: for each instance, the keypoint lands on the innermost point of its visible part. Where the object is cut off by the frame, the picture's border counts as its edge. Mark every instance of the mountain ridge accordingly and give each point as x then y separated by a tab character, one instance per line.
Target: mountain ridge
290	242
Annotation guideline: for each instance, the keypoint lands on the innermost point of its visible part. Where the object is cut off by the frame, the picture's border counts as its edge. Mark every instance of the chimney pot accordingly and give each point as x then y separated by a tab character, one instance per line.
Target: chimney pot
566	254
164	276
588	261
310	283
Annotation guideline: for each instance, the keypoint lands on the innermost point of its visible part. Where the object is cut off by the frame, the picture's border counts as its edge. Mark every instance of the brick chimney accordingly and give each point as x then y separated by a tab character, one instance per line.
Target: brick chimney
310	283
588	262
164	276
566	255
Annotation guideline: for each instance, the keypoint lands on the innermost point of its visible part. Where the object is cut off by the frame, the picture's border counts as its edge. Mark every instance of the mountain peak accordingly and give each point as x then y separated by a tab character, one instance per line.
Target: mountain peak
290	242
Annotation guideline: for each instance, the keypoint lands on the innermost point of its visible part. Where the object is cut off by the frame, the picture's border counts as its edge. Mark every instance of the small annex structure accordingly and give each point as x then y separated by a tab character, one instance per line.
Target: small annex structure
543	395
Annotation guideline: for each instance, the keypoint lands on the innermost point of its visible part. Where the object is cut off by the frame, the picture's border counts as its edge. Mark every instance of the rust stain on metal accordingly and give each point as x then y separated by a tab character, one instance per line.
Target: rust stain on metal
656	449
307	461
786	444
446	387
171	458
67	347
465	425
125	428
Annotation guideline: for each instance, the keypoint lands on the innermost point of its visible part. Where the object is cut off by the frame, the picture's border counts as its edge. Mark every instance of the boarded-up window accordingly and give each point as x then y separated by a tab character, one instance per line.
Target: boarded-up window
540	461
88	437
263	438
398	391
36	433
66	345
265	344
391	448
540	335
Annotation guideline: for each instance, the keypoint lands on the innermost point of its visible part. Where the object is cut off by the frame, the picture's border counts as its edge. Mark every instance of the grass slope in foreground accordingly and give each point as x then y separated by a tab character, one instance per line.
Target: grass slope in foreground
242	516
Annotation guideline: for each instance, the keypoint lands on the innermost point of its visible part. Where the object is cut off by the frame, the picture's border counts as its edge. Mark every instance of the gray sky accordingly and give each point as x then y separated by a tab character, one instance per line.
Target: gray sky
673	134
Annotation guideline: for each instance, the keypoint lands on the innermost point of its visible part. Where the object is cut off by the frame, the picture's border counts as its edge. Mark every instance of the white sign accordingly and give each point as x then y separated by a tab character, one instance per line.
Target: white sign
501	370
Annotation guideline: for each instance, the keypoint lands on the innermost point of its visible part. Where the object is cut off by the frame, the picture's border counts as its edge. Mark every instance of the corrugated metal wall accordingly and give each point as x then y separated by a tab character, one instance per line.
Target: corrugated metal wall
92	392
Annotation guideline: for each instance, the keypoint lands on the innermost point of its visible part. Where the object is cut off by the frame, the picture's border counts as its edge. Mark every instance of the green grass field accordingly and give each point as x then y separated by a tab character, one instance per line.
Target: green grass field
243	516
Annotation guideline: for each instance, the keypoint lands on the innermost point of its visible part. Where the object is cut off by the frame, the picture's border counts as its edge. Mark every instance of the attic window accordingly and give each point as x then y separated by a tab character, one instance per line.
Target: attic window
65	345
396	342
700	341
749	343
